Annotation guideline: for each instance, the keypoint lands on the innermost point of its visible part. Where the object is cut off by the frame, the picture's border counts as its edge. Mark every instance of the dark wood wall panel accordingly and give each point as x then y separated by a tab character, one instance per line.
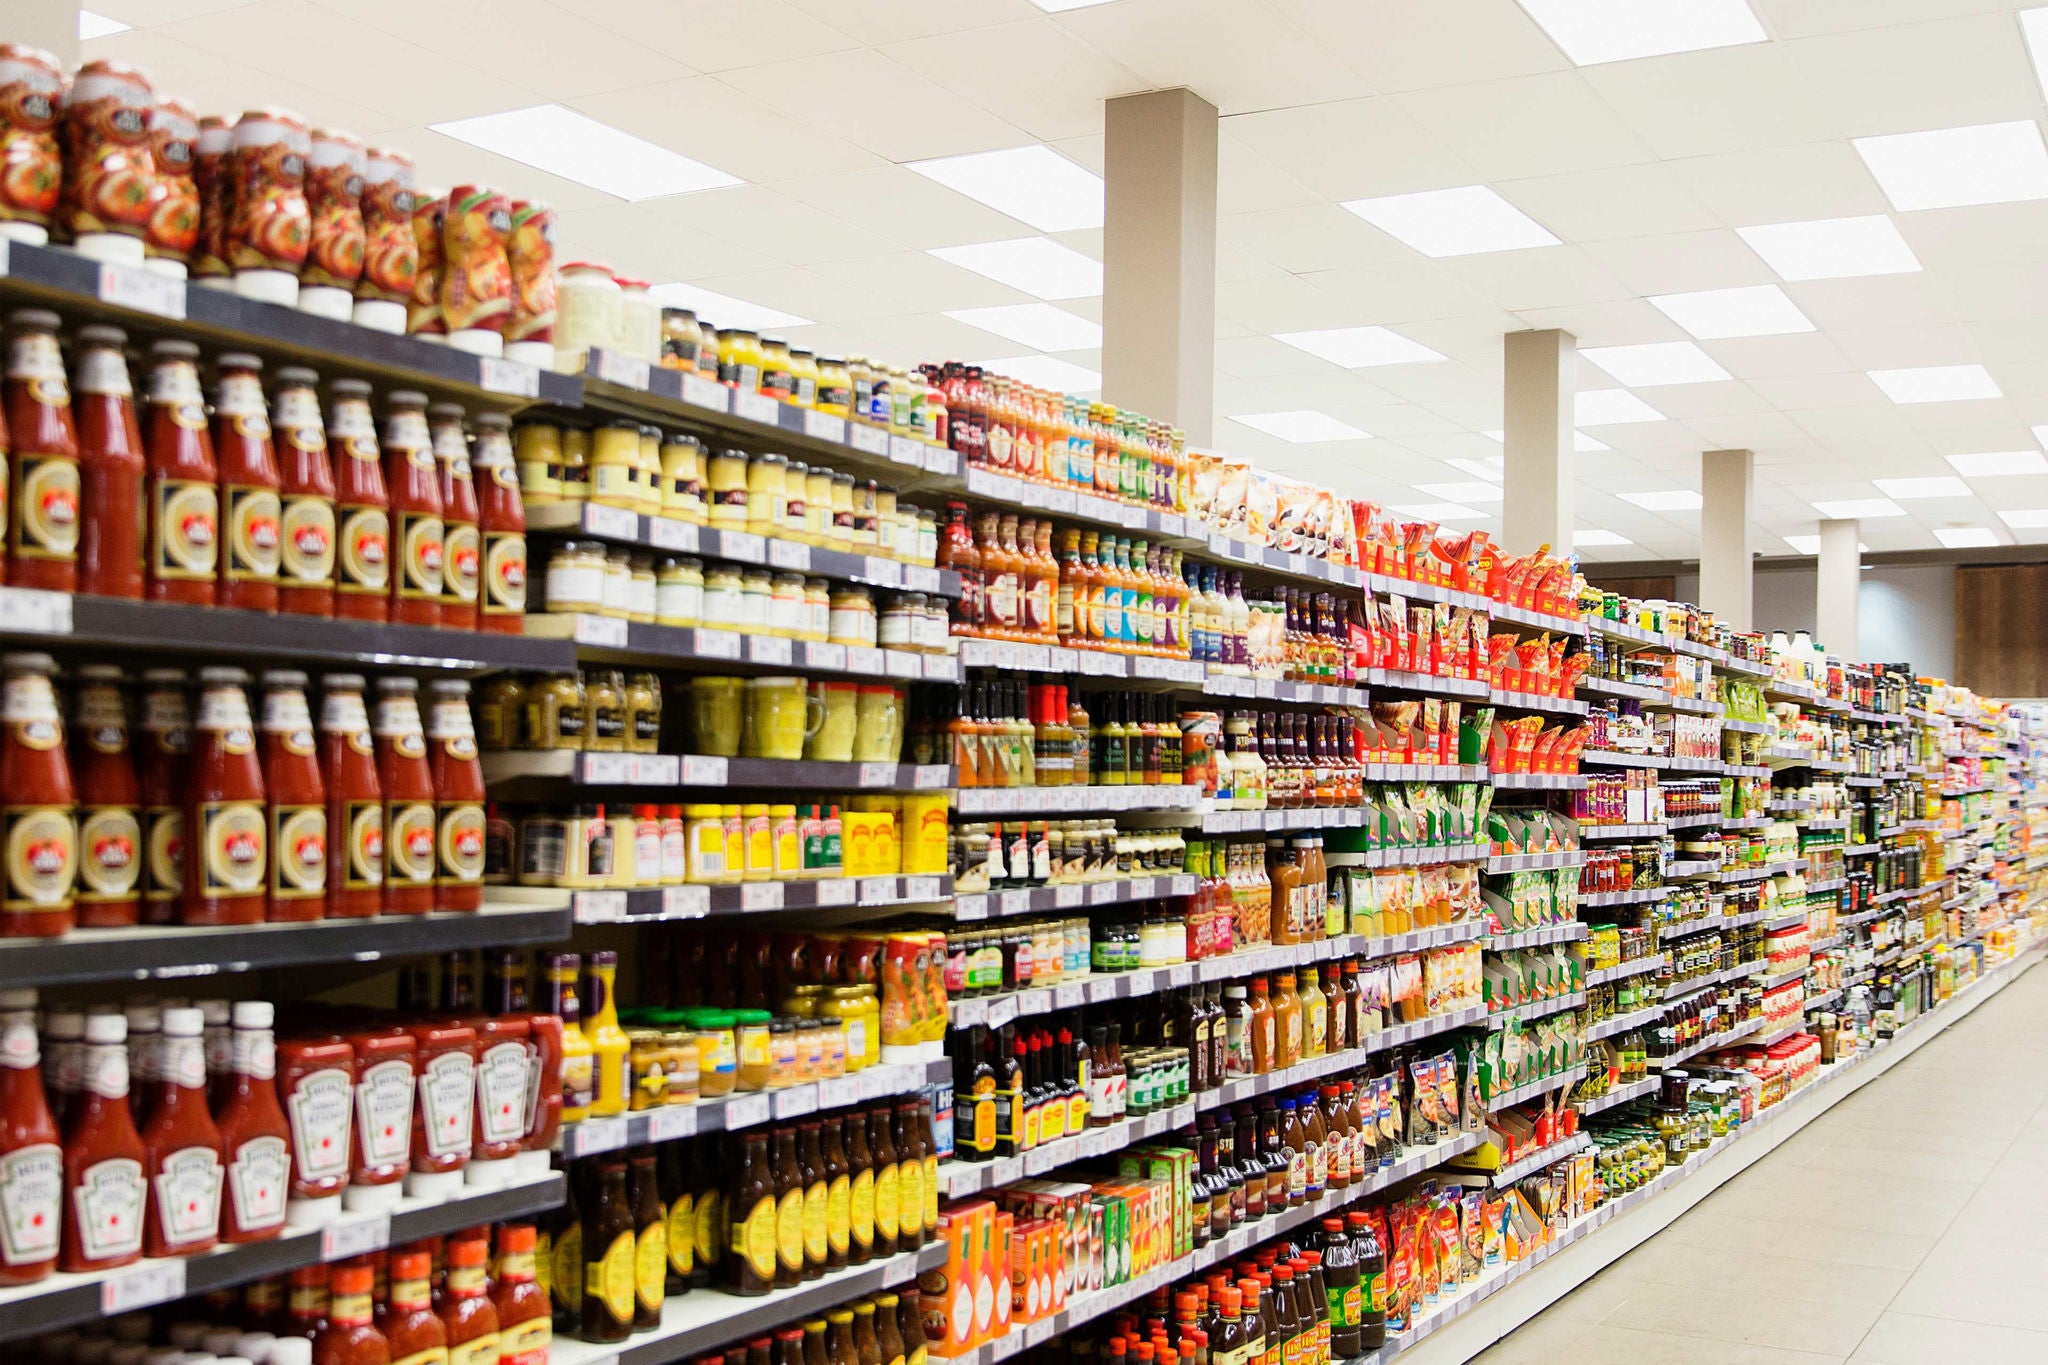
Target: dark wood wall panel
2002	629
1649	589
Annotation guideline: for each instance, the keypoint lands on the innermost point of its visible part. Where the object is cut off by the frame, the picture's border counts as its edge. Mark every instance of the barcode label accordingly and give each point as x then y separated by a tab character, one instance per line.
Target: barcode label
495	374
143	290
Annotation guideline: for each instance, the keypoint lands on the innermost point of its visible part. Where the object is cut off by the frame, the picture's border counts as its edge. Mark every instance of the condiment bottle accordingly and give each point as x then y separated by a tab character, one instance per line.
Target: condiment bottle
384	1094
36	808
458	797
888	1182
407	785
316	1086
412	1330
184	494
610	1047
467	1311
650	1242
578	1075
444	1116
251	510
43	480
789	1208
525	1330
29	1151
609	1243
253	1132
351	1336
461	550
501	522
110	467
306	491
355	806
861	1192
183	1161
419	534
103	1158
109	799
362	509
297	801
163	761
226	869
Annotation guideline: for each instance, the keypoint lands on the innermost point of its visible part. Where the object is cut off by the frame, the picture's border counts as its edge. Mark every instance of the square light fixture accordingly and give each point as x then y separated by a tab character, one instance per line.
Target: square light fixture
1810	545
1061	6
1461	492
1467	221
2001	464
1858	509
1611	407
1045	372
1302	426
724	310
1594	31
91	25
1593	538
1909	490
1492	469
1038	325
1357	348
1581	442
1037	265
1947	168
1658	362
577	147
1756	310
1965	537
1439	511
2026	519
1937	384
1033	184
1665	500
2034	24
1832	248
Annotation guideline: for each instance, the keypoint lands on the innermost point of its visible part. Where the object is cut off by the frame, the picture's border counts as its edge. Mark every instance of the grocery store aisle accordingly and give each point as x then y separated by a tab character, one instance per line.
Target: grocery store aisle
1907	1225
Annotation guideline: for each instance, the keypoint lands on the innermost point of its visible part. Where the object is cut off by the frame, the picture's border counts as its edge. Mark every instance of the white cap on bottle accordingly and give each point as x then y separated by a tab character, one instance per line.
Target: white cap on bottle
185	1022
255	1014
312	1213
221	1341
435	1185
106	1028
253	1345
16	1001
368	1198
289	1351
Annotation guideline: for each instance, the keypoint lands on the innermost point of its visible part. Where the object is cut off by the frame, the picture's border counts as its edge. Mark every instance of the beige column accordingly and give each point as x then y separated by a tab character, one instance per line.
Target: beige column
1159	258
1542	381
1840	580
48	24
1727	483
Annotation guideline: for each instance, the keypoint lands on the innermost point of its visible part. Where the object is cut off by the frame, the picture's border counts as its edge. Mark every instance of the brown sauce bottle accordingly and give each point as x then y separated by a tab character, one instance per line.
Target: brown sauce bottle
910	1200
608	1247
751	1257
838	1194
861	1248
810	1165
650	1243
789	1211
888	1185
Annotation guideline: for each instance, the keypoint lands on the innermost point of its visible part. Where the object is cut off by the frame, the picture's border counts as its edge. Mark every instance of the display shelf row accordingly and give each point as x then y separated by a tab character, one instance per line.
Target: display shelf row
1075	800
709	770
1693	984
1745	727
1026	900
1825	822
1772	980
1221	684
1598	976
958	1179
1619	1095
1519	1015
1747	822
1503	940
1589	830
649	904
1544	782
1697	821
1616	758
1535	862
1614	687
1540	1158
1536	701
1772	1037
1571	1075
1639	895
612	639
1623	1023
1719	1040
1758	872
1536	620
1247	1087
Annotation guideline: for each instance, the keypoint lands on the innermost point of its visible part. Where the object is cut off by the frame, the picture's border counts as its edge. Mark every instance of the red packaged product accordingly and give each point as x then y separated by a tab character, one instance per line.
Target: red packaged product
355	804
316	1084
297	800
109	802
183	1163
31	162
109	173
43	494
334	207
531	252
476	274
384	1125
413	482
362	534
305	583
110	467
228	862
105	1194
459	798
503	1107
251	504
461	551
184	494
390	255
444	1115
216	198
29	1151
174	198
501	524
407	784
255	1139
35	804
162	763
423	306
269	225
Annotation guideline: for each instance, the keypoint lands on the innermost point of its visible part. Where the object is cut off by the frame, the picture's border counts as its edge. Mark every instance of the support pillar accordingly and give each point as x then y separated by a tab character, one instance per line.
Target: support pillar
1727	484
1542	382
1841	577
1159	258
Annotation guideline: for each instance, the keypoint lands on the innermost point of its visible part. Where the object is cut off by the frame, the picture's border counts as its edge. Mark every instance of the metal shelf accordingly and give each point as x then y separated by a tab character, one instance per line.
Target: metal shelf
1506	939
1623	1023
1035	899
702	770
1597	976
1536	701
1530	1090
1541	1009
612	638
1619	1095
959	1178
648	904
1649	831
1640	895
1546	782
1542	1157
1535	862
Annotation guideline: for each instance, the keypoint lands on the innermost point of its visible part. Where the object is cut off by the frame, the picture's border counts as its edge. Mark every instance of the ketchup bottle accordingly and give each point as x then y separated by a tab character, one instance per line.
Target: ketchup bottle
31	1162
36	812
184	493
253	1132
228	856
42	526
297	801
305	584
460	548
382	1150
407	784
415	489
109	803
110	466
104	1191
355	802
183	1160
459	798
162	761
316	1085
248	486
362	536
501	519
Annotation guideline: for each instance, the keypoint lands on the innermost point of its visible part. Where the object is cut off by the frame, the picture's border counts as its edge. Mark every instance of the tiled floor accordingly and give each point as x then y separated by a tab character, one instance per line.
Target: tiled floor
1906	1226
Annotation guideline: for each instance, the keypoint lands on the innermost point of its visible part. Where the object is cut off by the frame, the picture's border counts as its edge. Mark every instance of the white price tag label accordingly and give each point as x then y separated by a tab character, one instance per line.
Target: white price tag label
29	611
685	902
148	1284
355	1237
1143	888
795	1101
868	440
605	632
761	896
901	1270
905	450
769	649
835	891
600	1135
876	775
886	572
970	908
610	768
743	545
937	667
1038	1161
1101	893
929	776
1066	897
616	522
715	644
744	1111
706	393
789	554
1061	500
655	770
703	770
825	656
863	659
1014	902
835	1091
627	372
917	578
878	889
824	426
1002	1010
757	407
900	663
495	374
671	1121
1068	994
143	290
1180	974
664	533
600	907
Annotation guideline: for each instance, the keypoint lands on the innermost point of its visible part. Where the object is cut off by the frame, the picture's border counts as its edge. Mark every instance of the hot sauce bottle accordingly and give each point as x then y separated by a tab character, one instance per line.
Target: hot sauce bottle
459	798
31	1161
407	785
35	803
183	1160
362	536
253	1132
305	582
461	550
355	803
229	856
162	761
501	522
297	801
42	530
351	1336
109	803
184	498
104	1190
467	1311
110	466
251	508
525	1326
414	485
412	1329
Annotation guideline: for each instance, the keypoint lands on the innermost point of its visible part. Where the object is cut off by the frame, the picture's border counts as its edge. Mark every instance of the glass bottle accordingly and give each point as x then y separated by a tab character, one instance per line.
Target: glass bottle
306	496
111	467
228	862
183	481
251	510
362	508
43	481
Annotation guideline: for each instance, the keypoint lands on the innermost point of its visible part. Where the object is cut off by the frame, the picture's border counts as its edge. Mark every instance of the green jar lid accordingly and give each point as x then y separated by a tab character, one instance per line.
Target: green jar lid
751	1016
705	1018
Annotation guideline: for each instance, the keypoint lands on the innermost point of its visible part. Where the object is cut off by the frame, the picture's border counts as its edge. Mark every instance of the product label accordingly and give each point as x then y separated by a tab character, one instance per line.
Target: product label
308	542
363	551
31	1193
107	1205
579	1080
862	1211
42	857
753	1238
447	1096
233	839
46	507
650	1265
789	1229
298	839
435	1355
409	839
501	1092
682	1234
910	1197
1347	1305
255	534
163	830
568	1276
711	1230
384	1113
504	573
319	1108
186	517
526	1343
459	847
887	1189
420	537
365	845
109	844
839	1214
188	1195
461	562
481	1350
259	1176
815	1240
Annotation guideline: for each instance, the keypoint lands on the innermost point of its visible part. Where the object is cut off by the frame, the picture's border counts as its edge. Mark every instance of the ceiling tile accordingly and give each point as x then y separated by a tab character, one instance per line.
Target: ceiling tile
1783	184
1404	158
1613	322
1240	54
1792	393
633	239
1682	261
1978	235
1542	277
1261	357
1529	125
1802	18
1909	77
1399	292
1248	183
770	221
1726	100
439	161
1685	402
1400	45
889	21
150	13
883	106
1063	95
1284	303
212	82
1877	301
556	51
1766	357
1319	238
2009	339
708	119
807	293
893	202
1897	348
1621	201
716	35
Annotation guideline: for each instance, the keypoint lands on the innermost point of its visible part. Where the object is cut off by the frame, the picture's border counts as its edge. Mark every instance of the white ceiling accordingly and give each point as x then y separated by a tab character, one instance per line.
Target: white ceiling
1643	168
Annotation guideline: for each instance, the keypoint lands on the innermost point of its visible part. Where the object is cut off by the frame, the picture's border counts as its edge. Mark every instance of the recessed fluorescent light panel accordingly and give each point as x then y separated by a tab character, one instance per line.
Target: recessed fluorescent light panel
2028	519
1665	500
1062	6
723	310
576	147
1992	163
1594	31
1461	492
1597	539
1611	407
1757	310
1357	348
1038	325
2001	464
1034	184
1301	426
1046	372
2034	23
1467	221
1581	442
1965	537
1832	248
1492	470
1910	490
1859	509
1937	384
1439	511
1662	362
1037	265
92	26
